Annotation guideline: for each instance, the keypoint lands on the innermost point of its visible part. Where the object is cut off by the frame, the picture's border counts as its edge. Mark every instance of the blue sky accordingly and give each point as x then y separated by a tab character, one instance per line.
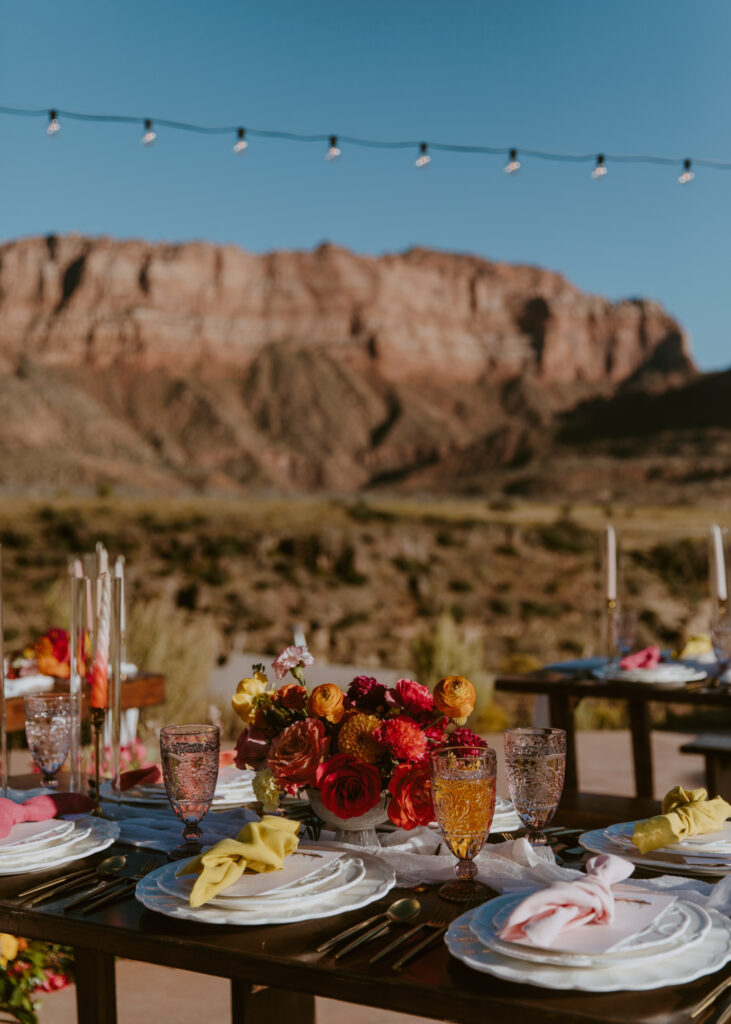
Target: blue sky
577	75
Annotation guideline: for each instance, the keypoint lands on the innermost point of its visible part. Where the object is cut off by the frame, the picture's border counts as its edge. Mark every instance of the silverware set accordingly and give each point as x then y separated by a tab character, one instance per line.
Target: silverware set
101	885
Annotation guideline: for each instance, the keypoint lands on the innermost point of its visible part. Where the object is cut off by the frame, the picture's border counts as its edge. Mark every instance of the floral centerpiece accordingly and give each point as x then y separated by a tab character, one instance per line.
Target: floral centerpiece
27	970
48	656
353	749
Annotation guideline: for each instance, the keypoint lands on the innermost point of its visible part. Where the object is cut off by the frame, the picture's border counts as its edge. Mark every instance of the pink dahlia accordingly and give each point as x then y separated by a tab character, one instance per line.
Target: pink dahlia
415	699
402	737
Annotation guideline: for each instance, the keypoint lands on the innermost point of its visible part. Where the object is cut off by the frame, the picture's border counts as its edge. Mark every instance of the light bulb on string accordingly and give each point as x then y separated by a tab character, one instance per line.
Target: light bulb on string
513	163
333	152
241	144
687	176
54	125
600	168
423	159
149	136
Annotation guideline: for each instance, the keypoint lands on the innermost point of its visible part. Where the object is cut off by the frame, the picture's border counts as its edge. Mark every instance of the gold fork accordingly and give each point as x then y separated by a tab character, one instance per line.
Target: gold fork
123	891
439	917
507	836
106	888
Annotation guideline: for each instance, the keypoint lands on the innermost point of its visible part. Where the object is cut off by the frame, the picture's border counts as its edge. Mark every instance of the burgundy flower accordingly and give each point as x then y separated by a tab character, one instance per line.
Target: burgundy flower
366	694
252	747
296	752
465	737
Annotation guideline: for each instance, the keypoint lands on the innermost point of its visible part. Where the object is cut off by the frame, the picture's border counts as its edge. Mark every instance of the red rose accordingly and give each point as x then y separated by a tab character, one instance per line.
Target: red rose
252	747
348	787
292	696
415	699
296	752
411	803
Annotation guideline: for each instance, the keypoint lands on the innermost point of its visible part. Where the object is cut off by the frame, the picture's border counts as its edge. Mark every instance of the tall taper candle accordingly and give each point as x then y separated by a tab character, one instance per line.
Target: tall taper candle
100	671
611	563
719	564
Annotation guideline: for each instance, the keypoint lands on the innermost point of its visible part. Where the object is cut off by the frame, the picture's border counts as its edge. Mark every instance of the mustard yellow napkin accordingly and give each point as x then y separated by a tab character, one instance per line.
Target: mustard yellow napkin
259	846
685	812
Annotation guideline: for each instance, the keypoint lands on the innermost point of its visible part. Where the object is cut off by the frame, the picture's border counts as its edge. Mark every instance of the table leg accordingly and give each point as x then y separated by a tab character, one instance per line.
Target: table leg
639	718
562	717
96	995
255	1004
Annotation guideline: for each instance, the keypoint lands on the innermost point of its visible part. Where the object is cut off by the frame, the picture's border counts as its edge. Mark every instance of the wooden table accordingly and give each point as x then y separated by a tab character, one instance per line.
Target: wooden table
564	693
141	691
282	959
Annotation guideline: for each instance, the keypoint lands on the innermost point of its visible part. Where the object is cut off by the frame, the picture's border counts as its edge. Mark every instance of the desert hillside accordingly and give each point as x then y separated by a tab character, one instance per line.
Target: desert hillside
171	368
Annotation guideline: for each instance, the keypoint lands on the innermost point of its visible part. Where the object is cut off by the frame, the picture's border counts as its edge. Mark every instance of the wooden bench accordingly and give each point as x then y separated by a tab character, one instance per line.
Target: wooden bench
716	748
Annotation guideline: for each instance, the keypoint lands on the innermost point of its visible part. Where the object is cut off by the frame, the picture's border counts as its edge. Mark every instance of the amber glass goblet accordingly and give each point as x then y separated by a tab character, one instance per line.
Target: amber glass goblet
463	789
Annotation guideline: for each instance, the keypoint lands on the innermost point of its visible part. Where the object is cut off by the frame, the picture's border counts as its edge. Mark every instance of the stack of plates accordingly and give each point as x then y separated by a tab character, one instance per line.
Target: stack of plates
708	854
506	817
233	789
664	674
316	881
41	845
684	942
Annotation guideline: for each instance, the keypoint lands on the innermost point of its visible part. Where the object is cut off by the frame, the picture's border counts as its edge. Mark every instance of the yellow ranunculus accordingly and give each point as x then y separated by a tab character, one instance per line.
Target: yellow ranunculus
8	947
243	700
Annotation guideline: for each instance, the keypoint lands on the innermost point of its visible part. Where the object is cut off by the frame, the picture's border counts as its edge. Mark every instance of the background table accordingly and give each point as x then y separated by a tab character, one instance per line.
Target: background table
564	693
282	958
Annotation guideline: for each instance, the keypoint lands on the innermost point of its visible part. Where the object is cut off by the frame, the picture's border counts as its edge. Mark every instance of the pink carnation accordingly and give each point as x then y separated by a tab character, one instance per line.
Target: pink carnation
415	699
402	737
292	658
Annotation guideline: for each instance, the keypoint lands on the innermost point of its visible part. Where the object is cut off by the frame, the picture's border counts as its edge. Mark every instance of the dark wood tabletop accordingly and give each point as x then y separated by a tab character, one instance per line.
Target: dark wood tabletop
564	691
275	972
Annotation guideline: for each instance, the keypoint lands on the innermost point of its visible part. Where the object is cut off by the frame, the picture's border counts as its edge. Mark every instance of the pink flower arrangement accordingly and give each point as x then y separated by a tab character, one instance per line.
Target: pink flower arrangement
352	746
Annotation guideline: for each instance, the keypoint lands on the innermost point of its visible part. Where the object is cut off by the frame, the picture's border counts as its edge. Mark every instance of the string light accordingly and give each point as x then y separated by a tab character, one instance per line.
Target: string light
423	159
513	163
149	137
687	176
333	152
600	168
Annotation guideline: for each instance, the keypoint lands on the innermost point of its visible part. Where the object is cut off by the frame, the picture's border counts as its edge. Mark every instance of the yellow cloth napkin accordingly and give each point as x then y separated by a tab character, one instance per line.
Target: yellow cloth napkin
696	645
685	812
259	846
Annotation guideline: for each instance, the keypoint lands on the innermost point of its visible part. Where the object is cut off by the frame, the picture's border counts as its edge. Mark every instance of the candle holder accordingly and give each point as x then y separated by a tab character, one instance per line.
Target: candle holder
96	716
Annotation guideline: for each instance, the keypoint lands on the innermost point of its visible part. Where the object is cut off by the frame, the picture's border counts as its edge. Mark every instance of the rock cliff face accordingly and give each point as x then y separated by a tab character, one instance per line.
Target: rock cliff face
170	366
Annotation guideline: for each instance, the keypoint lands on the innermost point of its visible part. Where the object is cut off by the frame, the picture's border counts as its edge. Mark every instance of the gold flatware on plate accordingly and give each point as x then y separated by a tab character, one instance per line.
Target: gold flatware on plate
106	887
438	918
507	836
107	868
710	998
341	936
398	913
121	890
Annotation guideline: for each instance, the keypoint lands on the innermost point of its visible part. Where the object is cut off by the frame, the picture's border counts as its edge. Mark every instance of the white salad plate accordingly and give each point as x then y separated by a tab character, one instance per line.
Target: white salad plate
378	879
710	844
34	833
664	674
670	860
348	875
94	834
674	968
680	925
52	847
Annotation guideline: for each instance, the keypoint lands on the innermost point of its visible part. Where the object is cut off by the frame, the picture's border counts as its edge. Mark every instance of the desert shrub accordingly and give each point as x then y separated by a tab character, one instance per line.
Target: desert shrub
183	647
499	606
352	619
459	586
597	713
345	569
682	565
565	535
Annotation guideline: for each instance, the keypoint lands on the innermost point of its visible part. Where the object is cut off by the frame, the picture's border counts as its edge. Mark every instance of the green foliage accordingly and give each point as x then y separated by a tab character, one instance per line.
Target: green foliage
682	565
23	978
565	535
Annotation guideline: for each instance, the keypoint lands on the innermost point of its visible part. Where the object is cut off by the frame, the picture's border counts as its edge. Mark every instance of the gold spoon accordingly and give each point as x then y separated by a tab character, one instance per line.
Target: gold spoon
325	946
400	912
105	869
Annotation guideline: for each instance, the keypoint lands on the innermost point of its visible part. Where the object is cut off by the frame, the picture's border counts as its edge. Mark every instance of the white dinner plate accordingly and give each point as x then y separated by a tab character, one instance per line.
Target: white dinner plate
99	834
50	848
348	874
684	965
710	844
685	863
33	833
664	674
681	925
376	882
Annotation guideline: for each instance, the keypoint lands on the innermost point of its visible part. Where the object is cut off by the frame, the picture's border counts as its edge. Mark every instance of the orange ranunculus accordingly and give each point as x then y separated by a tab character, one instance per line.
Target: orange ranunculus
327	701
454	696
292	696
48	661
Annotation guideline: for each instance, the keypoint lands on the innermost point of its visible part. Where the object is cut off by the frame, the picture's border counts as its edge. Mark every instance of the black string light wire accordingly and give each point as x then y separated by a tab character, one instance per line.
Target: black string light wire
334	142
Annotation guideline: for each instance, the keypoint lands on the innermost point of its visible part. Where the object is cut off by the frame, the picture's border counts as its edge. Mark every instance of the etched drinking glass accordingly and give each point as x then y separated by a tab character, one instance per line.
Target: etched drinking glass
190	769
463	790
624	633
721	640
48	721
535	762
